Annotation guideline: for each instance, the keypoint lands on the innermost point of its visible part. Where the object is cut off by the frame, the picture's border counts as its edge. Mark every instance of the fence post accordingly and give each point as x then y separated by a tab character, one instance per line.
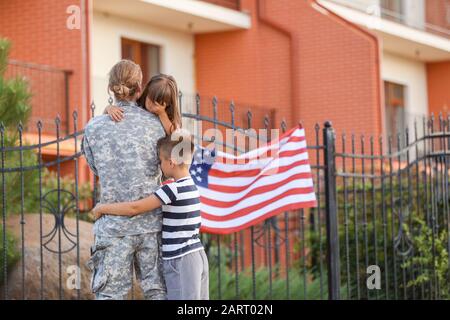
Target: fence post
331	213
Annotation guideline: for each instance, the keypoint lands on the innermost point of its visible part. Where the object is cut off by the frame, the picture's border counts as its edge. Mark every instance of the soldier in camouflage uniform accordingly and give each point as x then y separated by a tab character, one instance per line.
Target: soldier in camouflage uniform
124	157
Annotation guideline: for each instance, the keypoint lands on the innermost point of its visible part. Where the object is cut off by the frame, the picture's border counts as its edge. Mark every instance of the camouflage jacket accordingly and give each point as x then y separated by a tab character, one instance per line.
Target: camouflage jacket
124	157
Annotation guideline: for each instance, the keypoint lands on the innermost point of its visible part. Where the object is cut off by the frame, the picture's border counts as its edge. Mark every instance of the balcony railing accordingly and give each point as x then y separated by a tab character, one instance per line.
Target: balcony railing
49	87
393	15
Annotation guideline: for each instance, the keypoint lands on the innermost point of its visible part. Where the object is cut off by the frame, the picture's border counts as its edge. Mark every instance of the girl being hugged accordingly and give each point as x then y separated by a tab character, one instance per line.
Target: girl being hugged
160	96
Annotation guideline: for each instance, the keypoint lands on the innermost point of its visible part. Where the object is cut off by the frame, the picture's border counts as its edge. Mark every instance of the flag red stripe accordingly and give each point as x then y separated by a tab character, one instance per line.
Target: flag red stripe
249	209
258	190
204	228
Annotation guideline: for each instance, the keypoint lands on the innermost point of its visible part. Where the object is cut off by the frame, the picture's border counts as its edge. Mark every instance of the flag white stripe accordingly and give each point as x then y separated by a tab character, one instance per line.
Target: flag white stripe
232	223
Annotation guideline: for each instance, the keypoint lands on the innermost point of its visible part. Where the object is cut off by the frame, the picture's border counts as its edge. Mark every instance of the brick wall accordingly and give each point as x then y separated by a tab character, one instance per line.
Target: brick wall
305	62
38	33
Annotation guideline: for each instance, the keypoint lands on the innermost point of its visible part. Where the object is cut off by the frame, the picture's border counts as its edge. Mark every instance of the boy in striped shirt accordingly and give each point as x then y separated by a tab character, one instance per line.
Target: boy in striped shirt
185	262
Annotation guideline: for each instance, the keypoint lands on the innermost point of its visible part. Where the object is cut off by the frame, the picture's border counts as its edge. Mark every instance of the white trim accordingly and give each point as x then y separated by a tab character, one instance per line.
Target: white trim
206	10
189	16
389	27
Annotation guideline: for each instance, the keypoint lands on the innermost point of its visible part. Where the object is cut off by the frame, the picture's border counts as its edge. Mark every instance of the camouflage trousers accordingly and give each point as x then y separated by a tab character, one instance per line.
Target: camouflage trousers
113	259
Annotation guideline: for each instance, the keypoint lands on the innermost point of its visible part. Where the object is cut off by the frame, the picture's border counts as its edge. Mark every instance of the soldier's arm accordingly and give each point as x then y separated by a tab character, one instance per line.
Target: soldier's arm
131	208
87	151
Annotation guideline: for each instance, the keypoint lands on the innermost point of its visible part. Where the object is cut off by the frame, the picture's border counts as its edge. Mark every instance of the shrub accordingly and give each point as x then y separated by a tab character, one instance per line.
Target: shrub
11	252
430	259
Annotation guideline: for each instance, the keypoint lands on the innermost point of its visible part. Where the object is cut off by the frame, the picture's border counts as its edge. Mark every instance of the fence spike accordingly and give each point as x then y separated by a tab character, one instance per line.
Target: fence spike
197	104
283	125
214	102
432	121
415	130
232	106
266	121
93	108
2	127
249	118
317	128
75	115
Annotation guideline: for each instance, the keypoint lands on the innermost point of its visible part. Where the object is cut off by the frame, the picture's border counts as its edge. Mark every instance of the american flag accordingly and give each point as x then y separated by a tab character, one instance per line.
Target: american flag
237	192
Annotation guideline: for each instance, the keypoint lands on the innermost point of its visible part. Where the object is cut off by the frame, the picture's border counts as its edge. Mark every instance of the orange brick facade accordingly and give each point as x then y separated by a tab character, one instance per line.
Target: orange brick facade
438	78
317	67
39	35
300	61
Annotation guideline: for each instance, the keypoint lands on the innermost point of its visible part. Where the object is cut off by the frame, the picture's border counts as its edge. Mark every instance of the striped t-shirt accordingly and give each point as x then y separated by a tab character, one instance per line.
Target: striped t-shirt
181	218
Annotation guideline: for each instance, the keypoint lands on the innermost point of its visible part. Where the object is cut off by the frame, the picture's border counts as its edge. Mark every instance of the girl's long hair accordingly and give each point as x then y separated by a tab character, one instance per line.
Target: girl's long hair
162	89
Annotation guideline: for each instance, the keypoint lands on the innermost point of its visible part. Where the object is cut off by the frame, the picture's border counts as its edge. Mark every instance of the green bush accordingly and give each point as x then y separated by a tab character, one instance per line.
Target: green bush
430	259
11	252
405	269
245	282
298	287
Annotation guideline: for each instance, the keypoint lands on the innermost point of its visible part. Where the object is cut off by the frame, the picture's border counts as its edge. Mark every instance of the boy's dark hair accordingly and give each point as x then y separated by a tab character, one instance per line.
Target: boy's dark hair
183	143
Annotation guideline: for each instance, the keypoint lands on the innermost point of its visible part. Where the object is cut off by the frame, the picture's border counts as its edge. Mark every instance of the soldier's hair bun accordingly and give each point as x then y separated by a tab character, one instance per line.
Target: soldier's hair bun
125	79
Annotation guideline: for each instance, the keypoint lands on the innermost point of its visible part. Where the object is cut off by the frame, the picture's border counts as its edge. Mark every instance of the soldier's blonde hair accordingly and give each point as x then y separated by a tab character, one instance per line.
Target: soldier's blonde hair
125	79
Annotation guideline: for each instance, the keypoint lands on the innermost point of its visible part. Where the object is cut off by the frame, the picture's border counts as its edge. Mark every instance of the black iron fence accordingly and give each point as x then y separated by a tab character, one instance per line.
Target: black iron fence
380	230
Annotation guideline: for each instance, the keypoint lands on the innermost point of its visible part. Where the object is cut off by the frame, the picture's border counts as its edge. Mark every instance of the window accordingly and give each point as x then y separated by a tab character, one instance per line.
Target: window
144	54
392	10
395	112
448	14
